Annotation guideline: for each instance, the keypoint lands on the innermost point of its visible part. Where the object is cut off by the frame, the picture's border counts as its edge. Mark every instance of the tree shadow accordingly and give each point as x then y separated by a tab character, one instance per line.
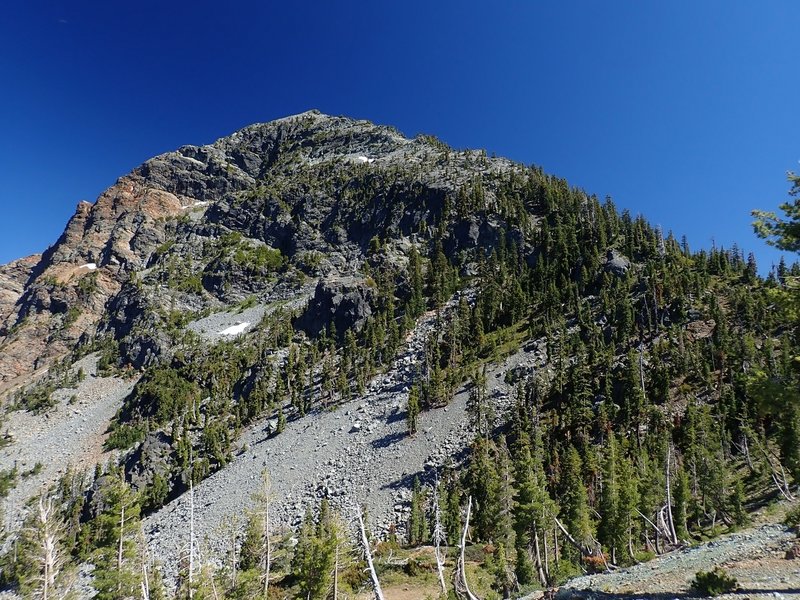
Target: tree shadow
389	439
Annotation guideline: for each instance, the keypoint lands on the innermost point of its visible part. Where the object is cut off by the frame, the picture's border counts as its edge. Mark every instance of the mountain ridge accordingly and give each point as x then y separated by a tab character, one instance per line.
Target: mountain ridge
436	314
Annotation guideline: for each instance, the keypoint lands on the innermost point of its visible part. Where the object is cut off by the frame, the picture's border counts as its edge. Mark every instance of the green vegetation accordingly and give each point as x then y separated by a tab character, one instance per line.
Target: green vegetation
657	402
8	481
714	582
784	233
124	436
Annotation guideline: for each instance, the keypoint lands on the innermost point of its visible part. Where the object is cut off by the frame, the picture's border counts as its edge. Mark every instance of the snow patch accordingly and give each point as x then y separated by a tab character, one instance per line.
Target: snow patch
235	329
90	266
196	204
364	159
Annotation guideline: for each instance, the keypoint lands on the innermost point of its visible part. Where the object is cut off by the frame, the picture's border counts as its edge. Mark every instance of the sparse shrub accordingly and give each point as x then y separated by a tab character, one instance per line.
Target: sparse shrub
8	481
714	582
72	315
87	285
38	399
792	518
124	436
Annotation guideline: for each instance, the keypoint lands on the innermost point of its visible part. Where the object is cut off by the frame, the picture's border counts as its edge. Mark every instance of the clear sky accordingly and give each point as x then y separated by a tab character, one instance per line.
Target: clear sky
687	112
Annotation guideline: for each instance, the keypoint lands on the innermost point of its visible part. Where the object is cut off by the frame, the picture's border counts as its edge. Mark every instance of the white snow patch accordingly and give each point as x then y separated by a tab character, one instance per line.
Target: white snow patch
90	266
235	329
364	159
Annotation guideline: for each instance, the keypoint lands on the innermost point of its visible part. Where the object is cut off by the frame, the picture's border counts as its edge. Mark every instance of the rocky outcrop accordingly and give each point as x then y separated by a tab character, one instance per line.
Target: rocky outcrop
307	185
617	263
345	303
150	459
13	278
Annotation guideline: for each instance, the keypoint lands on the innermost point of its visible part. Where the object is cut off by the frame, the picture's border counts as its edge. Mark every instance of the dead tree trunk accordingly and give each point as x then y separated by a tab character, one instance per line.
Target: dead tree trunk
538	555
461	578
335	574
49	550
145	558
582	549
376	584
438	537
778	473
670	521
119	548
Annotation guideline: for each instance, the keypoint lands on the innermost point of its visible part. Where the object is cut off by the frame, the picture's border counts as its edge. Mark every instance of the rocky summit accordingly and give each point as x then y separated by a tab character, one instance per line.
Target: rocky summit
242	350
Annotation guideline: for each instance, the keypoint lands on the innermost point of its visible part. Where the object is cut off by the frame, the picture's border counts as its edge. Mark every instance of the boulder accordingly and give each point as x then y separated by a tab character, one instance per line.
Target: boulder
793	553
152	457
617	263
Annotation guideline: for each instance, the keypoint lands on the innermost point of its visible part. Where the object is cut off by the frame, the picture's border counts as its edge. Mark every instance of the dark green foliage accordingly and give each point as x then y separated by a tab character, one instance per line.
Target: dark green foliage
313	560
417	523
164	394
714	582
8	481
115	527
413	409
679	354
783	233
123	436
260	257
792	518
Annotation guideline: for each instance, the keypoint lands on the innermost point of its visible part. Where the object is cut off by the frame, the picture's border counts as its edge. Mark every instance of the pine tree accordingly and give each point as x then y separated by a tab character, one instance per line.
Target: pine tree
484	485
417	523
416	303
575	504
114	530
628	503
535	511
314	557
413	408
680	497
611	530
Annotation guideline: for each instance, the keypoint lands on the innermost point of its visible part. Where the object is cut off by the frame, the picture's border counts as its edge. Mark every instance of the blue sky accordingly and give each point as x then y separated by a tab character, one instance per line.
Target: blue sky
684	111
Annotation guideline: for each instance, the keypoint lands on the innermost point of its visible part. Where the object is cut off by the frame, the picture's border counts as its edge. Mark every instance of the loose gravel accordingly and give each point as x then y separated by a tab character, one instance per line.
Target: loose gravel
71	433
754	556
358	453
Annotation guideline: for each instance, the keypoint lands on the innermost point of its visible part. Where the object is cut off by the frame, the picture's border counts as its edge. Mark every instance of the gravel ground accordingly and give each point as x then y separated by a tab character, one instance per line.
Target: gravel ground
68	434
754	556
209	327
359	452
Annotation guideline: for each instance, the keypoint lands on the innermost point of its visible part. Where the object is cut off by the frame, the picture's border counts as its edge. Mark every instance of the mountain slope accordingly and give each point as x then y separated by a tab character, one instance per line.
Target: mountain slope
354	310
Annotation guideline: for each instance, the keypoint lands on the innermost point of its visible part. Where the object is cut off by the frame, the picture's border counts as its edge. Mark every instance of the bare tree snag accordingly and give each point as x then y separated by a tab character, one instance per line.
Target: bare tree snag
438	536
670	522
582	549
376	584
462	587
191	538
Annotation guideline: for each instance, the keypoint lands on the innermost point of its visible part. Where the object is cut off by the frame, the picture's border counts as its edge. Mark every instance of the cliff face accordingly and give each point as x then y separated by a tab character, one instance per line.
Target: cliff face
315	189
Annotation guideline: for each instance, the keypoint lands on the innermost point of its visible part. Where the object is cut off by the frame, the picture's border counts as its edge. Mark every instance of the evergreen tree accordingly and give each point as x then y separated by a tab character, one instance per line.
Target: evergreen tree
534	512
575	504
413	408
417	523
116	555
